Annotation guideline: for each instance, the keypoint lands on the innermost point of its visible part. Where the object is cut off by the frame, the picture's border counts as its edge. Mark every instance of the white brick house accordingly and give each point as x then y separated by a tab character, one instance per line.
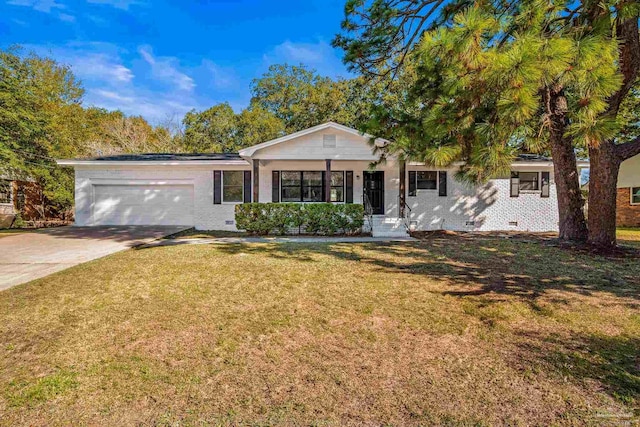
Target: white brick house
329	162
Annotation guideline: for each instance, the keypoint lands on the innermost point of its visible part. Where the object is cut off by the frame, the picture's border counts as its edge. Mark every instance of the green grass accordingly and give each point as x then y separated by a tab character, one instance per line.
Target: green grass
451	330
629	236
5	232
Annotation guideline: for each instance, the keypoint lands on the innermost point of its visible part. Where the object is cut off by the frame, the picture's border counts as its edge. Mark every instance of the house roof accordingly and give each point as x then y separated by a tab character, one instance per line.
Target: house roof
250	151
532	158
152	157
159	159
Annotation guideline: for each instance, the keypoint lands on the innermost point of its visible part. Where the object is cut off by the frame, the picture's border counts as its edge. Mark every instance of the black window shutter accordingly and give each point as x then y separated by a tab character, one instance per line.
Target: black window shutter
247	186
515	184
324	183
217	187
349	187
442	185
545	184
412	183
275	186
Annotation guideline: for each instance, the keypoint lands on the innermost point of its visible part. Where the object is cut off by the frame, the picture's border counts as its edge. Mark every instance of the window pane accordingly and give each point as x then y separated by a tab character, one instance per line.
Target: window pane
233	194
291	178
635	195
5	191
337	194
232	186
312	178
312	194
529	181
233	177
337	178
291	194
427	180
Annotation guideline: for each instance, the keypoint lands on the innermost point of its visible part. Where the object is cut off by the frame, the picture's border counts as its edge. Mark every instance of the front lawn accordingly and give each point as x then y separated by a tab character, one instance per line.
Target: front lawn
450	330
629	236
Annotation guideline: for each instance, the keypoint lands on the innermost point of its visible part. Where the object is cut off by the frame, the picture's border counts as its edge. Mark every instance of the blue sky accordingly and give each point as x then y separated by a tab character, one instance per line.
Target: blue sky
163	58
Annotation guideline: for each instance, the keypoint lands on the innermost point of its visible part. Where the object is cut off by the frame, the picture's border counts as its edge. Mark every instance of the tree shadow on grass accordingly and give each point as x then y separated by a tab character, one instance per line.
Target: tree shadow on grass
611	361
492	266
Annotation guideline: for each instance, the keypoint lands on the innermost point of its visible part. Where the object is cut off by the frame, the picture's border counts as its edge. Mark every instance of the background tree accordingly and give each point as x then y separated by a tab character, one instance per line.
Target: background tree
301	98
39	100
42	119
213	130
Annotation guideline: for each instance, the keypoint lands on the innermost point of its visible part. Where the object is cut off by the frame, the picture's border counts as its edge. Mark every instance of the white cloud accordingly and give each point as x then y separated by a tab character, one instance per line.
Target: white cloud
165	69
301	52
66	17
45	6
139	83
320	56
89	66
221	77
140	102
119	4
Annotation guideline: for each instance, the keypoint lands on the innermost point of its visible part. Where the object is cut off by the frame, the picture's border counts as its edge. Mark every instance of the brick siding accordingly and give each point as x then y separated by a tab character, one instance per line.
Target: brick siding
628	215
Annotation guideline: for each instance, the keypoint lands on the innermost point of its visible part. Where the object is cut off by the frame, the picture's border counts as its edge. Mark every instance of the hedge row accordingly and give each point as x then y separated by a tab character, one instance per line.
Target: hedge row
287	218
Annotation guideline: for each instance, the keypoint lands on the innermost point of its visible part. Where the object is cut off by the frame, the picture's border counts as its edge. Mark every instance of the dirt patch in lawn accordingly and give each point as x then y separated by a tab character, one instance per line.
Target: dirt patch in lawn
448	330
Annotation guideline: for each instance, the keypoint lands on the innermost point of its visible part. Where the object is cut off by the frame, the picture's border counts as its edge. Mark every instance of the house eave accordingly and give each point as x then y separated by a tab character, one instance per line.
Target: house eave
74	162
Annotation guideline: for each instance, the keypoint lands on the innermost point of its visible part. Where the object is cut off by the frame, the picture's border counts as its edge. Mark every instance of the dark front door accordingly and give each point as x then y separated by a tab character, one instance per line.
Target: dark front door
374	191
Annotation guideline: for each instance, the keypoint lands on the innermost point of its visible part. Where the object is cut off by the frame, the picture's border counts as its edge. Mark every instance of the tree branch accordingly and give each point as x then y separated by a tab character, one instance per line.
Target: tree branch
627	150
627	33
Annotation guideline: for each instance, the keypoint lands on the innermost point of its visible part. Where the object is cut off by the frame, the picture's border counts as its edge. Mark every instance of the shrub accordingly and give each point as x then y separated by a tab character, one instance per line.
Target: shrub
286	218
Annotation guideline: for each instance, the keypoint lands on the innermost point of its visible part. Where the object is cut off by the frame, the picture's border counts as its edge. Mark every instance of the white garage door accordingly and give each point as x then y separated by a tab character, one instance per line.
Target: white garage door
143	205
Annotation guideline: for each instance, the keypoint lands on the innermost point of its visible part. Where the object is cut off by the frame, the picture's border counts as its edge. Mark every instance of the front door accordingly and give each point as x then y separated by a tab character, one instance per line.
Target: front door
374	191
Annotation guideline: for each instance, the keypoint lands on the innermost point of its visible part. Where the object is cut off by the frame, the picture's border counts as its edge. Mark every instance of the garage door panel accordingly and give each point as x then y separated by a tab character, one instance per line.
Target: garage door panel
143	205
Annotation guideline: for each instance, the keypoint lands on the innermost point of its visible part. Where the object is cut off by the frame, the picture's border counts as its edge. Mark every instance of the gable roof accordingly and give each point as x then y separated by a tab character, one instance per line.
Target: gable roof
250	151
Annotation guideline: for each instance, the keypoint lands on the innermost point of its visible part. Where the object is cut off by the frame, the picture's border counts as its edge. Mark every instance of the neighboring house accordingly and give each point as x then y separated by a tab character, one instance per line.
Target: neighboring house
18	196
628	209
329	162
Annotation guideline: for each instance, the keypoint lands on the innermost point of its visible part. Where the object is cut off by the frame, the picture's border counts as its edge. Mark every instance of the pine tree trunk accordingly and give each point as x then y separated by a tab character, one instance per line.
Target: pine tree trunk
603	179
573	226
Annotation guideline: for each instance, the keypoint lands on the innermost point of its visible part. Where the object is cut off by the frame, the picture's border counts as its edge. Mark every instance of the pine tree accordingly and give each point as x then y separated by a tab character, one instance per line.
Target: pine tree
489	79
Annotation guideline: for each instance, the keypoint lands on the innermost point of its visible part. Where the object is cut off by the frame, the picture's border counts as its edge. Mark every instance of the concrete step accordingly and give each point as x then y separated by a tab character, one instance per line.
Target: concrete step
388	227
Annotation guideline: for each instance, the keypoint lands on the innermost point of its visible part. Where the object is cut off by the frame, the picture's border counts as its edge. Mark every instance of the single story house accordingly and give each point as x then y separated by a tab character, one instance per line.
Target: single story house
328	162
628	200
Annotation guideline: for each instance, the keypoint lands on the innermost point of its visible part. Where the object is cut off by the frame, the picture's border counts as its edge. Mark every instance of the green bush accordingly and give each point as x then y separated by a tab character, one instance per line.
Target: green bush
287	218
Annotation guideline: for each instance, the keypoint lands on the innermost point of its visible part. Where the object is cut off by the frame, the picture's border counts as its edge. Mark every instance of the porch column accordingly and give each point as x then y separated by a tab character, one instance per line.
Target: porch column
327	182
401	189
256	181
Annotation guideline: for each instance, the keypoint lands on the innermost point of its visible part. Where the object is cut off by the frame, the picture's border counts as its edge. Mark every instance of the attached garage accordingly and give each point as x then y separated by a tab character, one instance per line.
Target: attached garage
150	204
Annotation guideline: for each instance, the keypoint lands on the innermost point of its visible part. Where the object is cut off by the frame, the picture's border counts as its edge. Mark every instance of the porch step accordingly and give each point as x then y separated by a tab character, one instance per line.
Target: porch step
388	227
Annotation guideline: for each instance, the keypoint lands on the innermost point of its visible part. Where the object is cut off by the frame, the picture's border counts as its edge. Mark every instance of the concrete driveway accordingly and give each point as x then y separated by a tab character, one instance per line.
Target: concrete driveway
28	256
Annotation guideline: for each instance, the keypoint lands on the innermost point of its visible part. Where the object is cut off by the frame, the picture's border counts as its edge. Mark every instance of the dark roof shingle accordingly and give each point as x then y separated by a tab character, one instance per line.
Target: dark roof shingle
167	157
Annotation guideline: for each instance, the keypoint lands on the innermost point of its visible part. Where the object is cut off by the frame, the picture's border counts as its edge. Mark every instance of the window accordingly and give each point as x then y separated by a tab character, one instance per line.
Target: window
427	180
529	181
312	187
233	186
5	191
308	186
291	186
635	196
337	186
